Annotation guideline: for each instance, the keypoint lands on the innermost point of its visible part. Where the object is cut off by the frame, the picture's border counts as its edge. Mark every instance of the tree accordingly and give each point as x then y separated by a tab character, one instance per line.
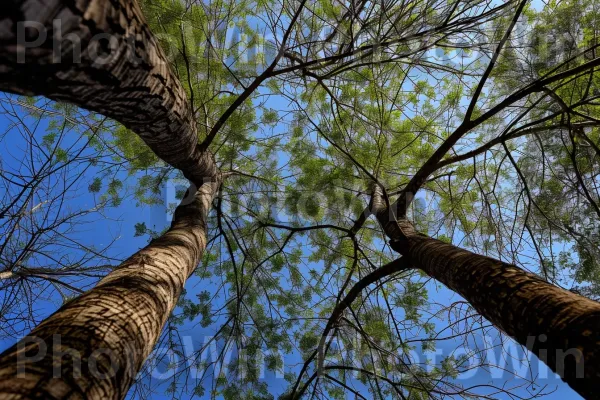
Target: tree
355	130
153	278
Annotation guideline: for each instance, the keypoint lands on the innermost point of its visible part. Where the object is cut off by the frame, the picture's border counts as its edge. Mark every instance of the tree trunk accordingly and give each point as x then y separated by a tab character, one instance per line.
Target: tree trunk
560	327
101	55
94	346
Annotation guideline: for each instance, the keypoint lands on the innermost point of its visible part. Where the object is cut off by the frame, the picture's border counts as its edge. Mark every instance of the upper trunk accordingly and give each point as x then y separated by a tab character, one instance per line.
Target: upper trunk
101	55
117	323
560	327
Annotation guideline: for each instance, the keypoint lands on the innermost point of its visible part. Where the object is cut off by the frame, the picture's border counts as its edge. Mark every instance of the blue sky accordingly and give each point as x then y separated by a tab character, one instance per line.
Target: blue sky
117	224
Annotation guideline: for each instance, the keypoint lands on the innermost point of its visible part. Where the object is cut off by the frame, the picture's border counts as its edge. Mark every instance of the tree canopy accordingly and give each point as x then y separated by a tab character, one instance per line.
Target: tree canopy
476	120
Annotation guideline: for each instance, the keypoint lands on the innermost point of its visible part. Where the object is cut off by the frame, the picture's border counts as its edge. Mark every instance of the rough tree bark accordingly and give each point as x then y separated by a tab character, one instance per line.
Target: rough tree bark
122	73
560	327
101	55
110	330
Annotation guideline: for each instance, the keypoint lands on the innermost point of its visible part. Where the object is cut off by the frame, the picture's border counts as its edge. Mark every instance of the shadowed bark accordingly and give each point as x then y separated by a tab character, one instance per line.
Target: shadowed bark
101	55
560	327
110	330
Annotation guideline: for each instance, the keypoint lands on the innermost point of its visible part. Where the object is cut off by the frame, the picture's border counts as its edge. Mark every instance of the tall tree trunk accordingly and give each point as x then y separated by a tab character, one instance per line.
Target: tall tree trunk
101	55
110	330
560	327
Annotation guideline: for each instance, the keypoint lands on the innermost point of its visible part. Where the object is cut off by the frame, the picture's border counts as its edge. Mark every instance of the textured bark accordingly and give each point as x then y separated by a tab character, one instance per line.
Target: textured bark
121	72
560	327
117	323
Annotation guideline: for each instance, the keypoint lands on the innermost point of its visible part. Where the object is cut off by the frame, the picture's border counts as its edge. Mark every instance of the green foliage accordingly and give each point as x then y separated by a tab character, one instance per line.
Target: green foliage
310	144
96	185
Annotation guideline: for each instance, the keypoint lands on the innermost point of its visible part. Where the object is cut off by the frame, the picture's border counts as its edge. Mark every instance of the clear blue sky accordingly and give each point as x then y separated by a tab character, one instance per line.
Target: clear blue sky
118	223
